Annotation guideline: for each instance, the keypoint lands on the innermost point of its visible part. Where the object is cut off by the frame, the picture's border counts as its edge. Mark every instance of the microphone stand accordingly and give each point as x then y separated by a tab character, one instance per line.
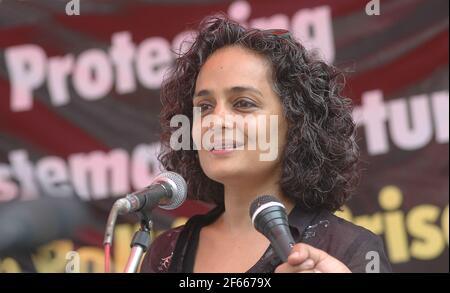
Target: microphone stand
140	243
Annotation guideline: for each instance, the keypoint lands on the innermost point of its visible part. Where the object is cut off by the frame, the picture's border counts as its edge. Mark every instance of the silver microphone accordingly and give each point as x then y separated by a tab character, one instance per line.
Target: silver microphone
167	191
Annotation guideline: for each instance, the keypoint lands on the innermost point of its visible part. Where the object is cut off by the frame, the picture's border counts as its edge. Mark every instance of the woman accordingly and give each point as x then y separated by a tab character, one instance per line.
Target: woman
231	71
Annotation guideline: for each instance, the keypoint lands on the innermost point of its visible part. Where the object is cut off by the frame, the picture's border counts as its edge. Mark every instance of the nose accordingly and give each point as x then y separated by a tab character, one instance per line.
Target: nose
222	116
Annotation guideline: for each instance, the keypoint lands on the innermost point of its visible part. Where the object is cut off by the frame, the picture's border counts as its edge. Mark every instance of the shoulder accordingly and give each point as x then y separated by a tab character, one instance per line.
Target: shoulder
353	233
159	255
354	245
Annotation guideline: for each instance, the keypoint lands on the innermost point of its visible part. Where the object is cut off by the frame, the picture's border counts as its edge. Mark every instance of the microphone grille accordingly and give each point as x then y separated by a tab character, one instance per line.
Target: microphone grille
259	201
179	189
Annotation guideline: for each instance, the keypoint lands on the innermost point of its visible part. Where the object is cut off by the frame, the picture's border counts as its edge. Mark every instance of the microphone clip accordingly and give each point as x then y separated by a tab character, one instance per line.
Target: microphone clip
140	243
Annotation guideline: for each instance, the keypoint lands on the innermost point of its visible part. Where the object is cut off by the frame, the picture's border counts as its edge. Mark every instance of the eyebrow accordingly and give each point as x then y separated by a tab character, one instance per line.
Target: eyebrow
232	90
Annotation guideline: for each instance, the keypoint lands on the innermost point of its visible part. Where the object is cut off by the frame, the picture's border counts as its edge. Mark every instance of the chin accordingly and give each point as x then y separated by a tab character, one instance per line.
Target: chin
229	168
224	171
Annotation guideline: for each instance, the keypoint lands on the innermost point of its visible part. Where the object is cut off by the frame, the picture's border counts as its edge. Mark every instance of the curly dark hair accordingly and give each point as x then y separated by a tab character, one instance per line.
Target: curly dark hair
320	158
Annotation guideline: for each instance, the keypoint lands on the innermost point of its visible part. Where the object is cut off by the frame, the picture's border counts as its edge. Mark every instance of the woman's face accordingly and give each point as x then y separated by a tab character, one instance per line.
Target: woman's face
241	128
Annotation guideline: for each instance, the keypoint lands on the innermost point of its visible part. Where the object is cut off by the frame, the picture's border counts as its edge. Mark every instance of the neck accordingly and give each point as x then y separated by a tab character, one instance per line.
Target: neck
237	200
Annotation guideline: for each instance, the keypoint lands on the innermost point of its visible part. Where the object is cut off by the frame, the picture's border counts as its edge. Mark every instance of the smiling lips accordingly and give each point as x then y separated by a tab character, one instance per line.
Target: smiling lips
225	147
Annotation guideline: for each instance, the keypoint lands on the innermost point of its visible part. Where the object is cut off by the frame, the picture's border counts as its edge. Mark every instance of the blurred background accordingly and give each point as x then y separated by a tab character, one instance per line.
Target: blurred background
79	106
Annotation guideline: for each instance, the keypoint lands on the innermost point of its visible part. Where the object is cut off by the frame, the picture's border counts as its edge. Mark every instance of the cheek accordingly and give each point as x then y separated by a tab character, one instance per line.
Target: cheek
271	137
196	133
282	132
202	156
266	129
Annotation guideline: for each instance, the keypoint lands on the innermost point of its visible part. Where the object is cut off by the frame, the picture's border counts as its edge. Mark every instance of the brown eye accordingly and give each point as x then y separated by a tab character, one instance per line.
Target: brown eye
245	104
204	107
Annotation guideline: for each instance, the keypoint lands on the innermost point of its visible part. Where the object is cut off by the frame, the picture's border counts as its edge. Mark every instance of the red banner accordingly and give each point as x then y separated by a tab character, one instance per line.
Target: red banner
79	87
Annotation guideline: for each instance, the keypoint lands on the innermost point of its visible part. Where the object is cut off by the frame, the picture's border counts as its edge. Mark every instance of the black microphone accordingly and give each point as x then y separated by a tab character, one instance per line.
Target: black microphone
269	217
168	191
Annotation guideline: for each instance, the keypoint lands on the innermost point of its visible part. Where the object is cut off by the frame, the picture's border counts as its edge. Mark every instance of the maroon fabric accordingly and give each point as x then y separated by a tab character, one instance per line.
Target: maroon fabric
174	251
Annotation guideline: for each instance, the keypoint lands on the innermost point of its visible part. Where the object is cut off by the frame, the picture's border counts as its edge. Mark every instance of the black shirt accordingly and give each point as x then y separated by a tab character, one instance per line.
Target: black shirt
175	249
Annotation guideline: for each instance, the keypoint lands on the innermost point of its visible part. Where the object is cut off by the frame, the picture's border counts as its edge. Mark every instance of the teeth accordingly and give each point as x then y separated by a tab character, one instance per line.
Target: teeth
225	146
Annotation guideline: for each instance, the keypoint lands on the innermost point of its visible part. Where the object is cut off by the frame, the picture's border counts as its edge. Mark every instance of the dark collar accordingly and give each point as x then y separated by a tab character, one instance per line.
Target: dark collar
186	246
300	219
